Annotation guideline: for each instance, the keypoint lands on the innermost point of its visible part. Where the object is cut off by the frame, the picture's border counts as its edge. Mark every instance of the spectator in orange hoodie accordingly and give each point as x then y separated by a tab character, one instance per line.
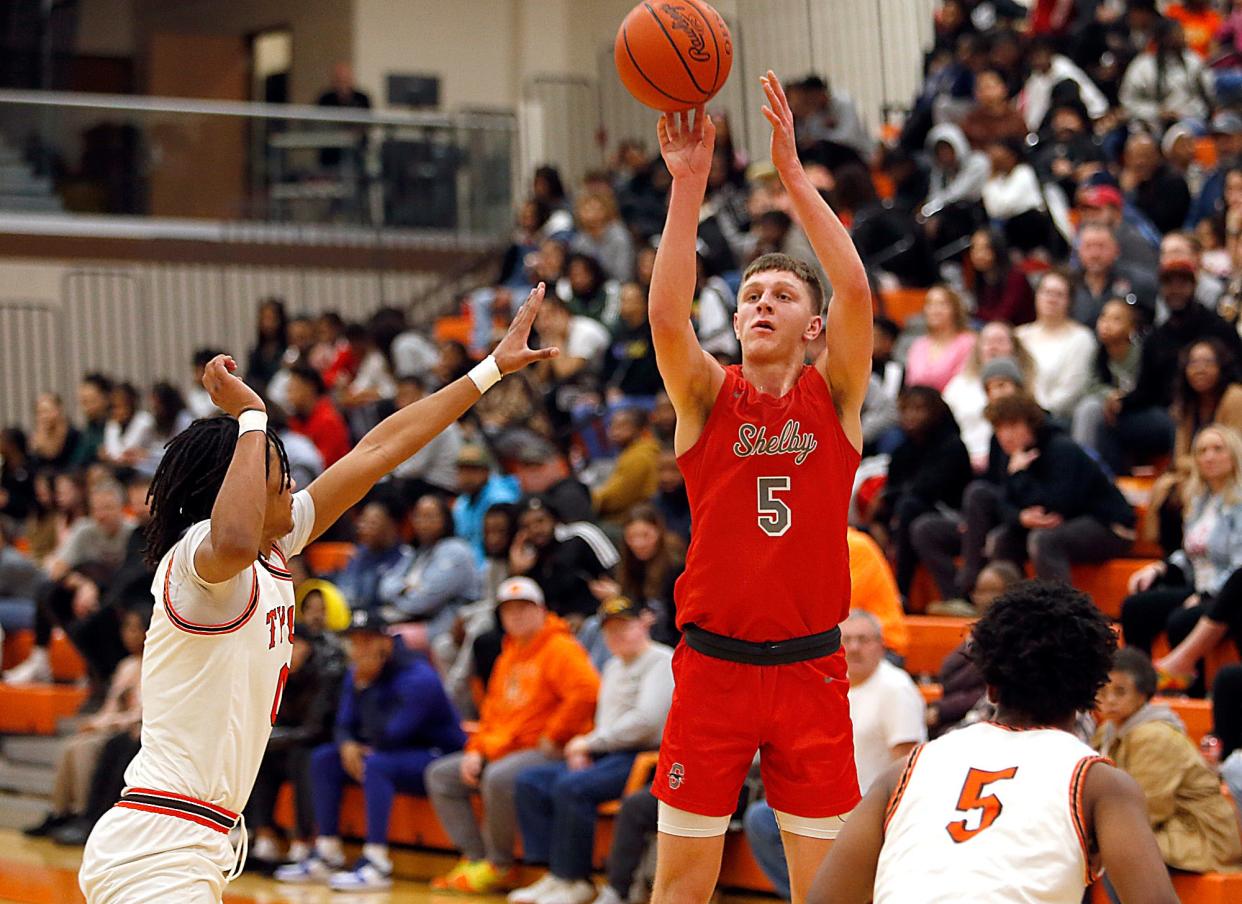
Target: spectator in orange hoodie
873	588
542	692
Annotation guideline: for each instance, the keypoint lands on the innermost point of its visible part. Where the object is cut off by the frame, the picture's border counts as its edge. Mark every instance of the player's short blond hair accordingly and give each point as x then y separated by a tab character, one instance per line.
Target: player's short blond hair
800	269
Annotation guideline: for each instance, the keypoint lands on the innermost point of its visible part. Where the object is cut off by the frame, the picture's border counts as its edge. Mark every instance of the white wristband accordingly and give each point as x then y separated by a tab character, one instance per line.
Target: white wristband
485	374
250	421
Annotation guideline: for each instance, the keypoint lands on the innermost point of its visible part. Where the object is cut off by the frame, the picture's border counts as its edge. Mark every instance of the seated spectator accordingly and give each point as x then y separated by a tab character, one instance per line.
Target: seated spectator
1151	186
1013	198
270	343
1068	152
16	478
480	489
303	723
121	711
433	577
652	559
62	508
1195	827
1062	348
1208	392
544	473
542	694
557	802
305	462
1121	438
378	552
1193	596
94	402
634	477
937	357
828	114
54	440
169	417
712	311
873	589
198	399
1103	275
601	235
929	469
1209	288
433	468
1102	203
563	568
392	723
1055	504
300	339
129	432
1048	69
371	384
22	582
1226	131
886	710
993	116
312	414
671	499
887	240
879	411
1180	149
79	570
966	395
586	290
962	684
1166	82
954	205
1002	291
581	339
630	372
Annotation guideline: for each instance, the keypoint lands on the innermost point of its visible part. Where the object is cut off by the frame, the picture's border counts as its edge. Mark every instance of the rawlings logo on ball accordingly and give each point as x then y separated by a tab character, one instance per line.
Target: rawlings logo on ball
693	28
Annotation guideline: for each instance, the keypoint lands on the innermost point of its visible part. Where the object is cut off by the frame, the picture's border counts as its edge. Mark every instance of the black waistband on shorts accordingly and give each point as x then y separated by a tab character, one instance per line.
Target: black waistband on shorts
169	804
773	652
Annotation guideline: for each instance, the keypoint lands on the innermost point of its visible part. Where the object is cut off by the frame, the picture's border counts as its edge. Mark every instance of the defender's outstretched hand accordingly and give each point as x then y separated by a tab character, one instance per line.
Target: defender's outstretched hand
687	146
778	114
227	391
513	353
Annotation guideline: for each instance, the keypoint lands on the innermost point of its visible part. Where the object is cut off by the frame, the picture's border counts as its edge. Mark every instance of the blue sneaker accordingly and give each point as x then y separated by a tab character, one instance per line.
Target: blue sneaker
365	876
313	869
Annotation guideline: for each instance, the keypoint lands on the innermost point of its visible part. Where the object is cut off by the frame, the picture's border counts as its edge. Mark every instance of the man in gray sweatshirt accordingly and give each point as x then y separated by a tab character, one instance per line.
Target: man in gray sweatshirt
556	803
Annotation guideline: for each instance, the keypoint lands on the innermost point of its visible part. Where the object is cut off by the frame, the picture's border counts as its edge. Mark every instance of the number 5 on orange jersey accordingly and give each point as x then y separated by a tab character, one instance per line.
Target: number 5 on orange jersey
973	798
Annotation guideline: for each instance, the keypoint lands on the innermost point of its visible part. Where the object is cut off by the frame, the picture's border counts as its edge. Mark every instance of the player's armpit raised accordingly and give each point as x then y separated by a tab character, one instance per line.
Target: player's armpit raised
847	875
1116	811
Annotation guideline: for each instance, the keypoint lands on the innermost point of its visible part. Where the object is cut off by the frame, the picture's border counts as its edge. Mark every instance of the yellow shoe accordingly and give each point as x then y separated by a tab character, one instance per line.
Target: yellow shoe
482	878
445	882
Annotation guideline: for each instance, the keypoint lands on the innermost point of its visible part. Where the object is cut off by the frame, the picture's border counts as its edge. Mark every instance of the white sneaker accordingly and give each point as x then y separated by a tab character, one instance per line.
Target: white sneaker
365	876
265	849
608	895
534	893
37	669
567	891
311	869
298	850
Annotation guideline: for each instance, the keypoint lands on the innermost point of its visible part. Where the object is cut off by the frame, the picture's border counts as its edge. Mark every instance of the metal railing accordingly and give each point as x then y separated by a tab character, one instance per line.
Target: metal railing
232	161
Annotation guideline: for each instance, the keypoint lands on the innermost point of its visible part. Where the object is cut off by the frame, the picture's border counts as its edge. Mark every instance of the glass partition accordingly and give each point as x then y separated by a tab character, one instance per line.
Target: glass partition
220	160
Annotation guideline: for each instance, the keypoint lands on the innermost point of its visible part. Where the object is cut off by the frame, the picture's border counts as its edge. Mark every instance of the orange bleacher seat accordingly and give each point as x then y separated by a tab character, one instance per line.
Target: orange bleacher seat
1196	715
17	646
327	558
931	692
932	638
1210	888
454	329
1106	582
67	664
900	304
36	708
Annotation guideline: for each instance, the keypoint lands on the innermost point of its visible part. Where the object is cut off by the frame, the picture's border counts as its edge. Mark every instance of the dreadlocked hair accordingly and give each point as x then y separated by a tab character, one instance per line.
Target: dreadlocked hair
1046	649
189	477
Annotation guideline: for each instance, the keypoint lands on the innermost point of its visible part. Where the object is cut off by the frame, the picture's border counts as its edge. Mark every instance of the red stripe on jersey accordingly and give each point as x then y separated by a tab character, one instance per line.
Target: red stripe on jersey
1078	785
177	813
228	814
224	627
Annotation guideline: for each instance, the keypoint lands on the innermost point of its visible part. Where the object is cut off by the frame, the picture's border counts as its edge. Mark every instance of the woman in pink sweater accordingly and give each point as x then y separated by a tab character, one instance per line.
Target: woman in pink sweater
936	358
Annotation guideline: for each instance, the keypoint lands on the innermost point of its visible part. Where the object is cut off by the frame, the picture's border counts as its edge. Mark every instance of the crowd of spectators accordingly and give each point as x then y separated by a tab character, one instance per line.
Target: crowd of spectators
1065	193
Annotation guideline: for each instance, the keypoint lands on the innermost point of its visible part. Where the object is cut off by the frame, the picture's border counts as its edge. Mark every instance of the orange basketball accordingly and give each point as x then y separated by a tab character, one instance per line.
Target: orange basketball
673	54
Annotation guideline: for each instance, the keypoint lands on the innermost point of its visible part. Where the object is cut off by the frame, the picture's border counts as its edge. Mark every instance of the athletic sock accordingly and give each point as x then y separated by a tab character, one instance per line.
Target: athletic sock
329	848
378	854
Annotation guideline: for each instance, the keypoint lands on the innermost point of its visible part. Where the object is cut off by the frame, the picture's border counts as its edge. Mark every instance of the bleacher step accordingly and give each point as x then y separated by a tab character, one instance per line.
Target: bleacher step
33	750
26	779
20	811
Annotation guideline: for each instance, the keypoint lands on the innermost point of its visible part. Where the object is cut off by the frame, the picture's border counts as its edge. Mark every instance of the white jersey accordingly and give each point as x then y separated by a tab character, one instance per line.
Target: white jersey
210	691
988	814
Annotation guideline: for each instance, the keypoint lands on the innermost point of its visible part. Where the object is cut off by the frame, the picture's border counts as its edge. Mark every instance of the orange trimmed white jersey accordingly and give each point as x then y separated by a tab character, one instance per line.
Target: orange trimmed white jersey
988	814
210	691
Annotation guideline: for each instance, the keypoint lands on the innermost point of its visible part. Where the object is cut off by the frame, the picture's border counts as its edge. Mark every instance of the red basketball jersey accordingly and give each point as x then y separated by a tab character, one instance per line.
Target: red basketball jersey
769	484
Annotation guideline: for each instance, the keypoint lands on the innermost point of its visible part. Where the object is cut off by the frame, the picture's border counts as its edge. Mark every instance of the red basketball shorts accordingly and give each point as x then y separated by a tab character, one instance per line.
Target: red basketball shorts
797	716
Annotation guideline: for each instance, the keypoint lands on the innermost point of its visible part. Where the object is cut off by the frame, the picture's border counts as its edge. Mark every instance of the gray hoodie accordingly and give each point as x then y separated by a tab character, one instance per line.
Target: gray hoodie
965	183
1151	712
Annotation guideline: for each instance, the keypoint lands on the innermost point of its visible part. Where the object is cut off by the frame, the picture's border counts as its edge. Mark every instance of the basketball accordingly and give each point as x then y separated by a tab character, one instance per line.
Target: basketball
673	54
